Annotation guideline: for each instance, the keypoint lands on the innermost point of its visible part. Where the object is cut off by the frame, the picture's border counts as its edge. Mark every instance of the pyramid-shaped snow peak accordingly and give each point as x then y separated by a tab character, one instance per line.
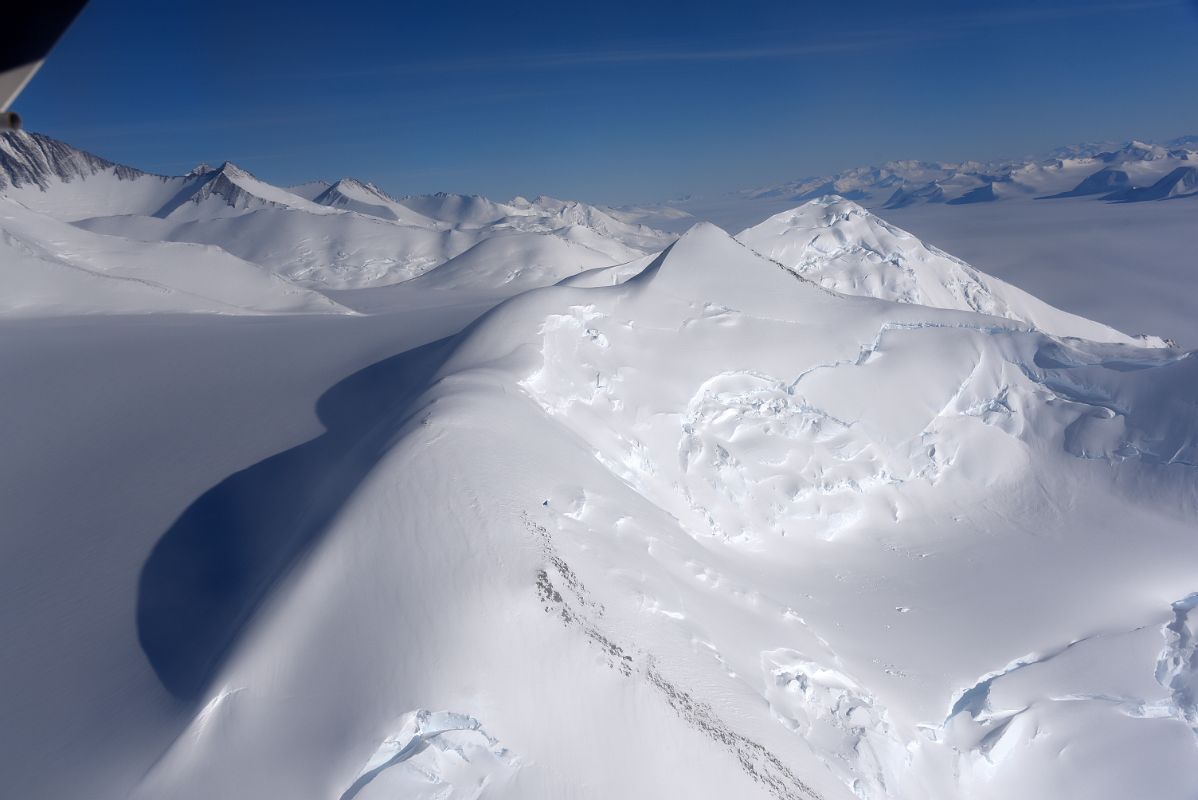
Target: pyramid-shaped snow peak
707	264
355	189
839	245
366	198
232	187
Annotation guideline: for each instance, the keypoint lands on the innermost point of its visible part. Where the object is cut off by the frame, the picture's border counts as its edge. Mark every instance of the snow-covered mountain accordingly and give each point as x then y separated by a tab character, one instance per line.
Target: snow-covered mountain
1079	170
346	235
1107	211
901	183
50	267
52	177
1181	182
366	198
759	538
839	245
570	507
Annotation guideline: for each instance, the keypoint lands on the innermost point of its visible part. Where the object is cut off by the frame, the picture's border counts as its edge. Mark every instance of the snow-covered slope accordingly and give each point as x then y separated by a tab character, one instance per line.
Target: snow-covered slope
457	209
228	191
815	513
337	249
1103	181
366	198
353	250
49	267
541	215
28	159
1181	182
522	260
549	213
346	235
54	178
755	538
841	246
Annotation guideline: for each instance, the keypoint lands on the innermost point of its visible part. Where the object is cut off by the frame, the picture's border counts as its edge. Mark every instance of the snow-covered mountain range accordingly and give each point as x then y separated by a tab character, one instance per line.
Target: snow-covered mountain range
344	236
1127	172
320	493
1104	171
1121	214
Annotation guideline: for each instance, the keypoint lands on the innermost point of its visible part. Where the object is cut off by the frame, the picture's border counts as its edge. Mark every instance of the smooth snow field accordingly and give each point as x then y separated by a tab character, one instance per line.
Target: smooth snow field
322	494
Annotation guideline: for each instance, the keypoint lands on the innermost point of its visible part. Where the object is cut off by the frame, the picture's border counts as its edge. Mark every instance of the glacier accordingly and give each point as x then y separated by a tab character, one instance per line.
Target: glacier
317	492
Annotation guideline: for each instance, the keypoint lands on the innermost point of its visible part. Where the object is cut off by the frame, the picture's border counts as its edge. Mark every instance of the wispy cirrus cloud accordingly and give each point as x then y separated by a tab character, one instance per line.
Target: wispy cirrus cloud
655	52
771	45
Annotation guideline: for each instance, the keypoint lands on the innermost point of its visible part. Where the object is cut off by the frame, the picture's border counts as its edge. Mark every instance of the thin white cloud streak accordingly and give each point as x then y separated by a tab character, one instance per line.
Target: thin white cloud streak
666	52
916	33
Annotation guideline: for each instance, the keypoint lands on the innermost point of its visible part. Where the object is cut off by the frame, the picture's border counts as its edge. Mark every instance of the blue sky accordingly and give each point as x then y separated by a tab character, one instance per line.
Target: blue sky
608	101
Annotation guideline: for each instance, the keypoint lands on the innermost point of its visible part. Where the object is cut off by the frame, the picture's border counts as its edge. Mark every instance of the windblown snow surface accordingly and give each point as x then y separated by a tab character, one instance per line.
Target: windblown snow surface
819	511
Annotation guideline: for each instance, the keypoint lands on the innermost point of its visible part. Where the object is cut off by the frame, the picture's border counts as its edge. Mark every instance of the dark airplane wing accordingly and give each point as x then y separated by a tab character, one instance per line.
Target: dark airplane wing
30	30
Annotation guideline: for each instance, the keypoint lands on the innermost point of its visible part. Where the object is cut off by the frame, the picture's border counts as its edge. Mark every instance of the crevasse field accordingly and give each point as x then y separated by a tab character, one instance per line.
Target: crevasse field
317	493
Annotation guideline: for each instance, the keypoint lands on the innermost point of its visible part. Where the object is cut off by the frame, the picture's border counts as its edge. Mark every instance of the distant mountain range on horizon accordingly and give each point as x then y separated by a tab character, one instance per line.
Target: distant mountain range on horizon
1130	171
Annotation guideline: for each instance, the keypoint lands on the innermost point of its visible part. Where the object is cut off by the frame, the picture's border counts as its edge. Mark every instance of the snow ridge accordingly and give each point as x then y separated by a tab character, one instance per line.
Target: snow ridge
33	159
841	246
